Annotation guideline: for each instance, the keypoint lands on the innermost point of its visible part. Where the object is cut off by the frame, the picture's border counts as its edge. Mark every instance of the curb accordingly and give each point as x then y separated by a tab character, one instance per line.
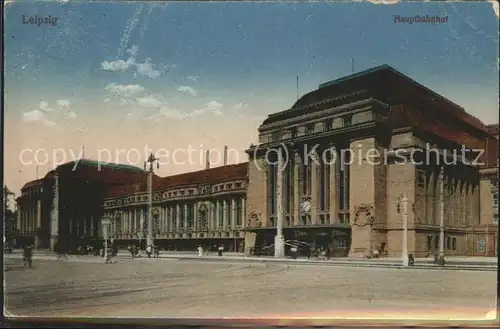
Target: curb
347	264
287	262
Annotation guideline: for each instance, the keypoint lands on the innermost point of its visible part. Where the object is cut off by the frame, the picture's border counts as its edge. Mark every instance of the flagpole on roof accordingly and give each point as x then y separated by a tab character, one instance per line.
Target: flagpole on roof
352	65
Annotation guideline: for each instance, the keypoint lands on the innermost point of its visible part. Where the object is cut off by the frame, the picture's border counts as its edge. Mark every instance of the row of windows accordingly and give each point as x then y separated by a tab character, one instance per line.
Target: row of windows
305	184
33	191
450	242
309	128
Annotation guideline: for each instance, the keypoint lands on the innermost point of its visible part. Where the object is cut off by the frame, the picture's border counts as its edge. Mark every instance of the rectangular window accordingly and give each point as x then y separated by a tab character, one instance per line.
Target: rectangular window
495	219
328	124
190	214
309	179
310	129
323	185
495	199
182	217
221	214
347	120
481	245
228	214
239	212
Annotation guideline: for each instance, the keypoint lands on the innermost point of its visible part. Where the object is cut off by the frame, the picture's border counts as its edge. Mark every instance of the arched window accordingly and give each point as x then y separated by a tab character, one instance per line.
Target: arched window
448	243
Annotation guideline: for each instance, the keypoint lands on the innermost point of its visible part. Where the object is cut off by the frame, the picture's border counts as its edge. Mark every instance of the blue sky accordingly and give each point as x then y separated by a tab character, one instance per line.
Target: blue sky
183	62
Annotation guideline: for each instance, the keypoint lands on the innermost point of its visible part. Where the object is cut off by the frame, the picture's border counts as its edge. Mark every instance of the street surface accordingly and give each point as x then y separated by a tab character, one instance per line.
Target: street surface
170	288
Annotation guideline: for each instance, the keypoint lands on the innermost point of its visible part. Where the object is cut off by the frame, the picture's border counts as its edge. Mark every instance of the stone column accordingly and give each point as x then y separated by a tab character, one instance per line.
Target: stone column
210	216
233	214
185	217
224	215
178	218
243	212
141	222
314	189
334	189
296	189
217	214
195	216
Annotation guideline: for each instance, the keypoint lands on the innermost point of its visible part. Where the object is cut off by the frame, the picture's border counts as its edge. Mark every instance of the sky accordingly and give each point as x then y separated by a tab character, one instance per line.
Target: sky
134	76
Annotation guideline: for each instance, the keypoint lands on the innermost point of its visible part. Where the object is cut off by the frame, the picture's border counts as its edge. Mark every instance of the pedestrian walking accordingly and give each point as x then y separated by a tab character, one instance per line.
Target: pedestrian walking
156	251
28	255
200	251
133	251
149	251
220	250
109	255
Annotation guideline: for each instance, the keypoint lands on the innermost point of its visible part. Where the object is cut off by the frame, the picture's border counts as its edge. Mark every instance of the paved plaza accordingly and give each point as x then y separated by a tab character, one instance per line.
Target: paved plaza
176	288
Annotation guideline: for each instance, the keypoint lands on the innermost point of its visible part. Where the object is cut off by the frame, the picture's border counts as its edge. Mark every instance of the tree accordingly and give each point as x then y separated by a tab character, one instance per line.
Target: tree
9	215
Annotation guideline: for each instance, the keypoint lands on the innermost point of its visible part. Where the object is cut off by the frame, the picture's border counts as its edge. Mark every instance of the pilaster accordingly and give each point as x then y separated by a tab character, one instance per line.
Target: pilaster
314	188
233	214
296	189
334	189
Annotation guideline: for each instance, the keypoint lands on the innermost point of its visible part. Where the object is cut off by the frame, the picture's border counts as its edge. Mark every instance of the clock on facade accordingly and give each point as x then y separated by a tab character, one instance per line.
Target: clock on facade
305	205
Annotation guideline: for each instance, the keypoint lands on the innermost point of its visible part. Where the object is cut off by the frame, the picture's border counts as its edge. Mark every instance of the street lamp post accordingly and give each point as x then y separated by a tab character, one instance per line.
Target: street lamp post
279	243
105	224
405	231
151	160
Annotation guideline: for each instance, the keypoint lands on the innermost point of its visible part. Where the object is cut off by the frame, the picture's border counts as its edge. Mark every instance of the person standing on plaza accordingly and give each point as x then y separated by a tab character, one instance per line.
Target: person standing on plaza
28	255
149	251
109	254
200	251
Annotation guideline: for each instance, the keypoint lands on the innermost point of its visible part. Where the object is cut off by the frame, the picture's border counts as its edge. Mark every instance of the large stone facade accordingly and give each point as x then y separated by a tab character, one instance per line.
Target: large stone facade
397	149
353	150
204	208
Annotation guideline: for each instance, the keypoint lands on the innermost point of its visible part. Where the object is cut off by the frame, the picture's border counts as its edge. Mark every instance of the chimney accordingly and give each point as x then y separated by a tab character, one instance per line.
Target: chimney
225	155
207	160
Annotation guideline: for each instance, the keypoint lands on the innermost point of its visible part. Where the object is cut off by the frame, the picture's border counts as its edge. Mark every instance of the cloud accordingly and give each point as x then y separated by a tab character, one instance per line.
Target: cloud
214	105
133	51
150	101
187	90
70	115
63	103
107	100
129	28
118	65
146	69
192	77
37	116
44	106
167	112
123	90
173	113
